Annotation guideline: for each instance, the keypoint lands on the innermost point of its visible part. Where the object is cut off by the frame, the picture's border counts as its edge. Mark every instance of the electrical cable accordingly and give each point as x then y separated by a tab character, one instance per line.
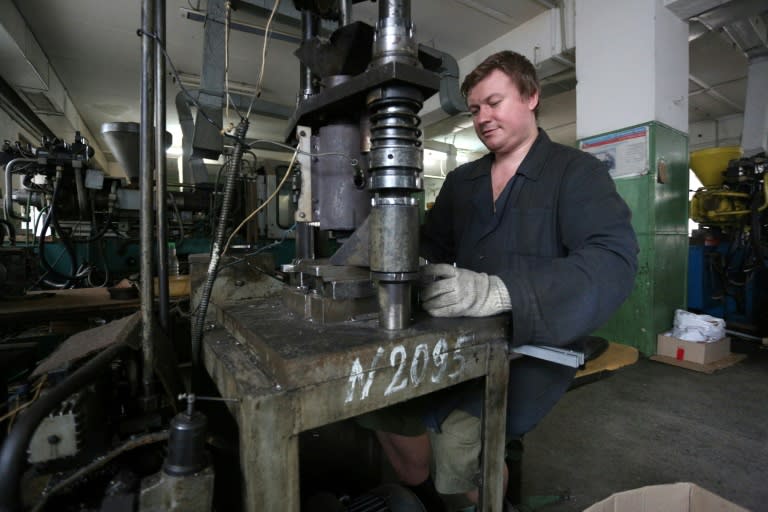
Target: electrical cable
267	33
12	414
192	99
50	219
42	278
178	218
262	205
93	269
352	161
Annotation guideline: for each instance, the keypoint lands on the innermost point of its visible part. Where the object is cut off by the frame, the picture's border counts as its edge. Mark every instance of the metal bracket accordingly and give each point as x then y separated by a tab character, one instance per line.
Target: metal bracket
304	209
557	355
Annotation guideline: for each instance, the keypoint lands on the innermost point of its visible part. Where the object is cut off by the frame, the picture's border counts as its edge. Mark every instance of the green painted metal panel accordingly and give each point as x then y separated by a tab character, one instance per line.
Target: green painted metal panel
629	325
659	203
669	150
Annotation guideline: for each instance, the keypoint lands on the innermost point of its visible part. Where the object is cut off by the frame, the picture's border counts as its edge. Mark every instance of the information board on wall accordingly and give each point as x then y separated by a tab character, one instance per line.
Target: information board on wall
625	151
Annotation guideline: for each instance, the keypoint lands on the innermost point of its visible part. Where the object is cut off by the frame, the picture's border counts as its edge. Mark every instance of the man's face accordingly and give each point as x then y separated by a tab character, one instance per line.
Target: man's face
503	120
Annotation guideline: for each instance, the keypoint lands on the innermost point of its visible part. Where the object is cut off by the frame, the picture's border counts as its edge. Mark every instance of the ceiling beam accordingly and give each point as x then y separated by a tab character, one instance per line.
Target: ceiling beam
708	89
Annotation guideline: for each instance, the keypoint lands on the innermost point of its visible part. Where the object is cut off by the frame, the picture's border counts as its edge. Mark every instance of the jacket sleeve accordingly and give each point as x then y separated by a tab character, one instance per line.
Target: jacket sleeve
557	300
437	241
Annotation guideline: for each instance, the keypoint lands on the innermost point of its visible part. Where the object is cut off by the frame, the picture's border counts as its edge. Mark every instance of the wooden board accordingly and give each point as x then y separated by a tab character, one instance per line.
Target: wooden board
63	304
615	356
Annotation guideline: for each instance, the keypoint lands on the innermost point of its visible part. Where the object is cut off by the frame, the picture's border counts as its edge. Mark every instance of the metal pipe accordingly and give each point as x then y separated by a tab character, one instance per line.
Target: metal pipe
146	214
82	199
394	305
345	12
746	336
14	449
7	197
310	25
161	182
400	9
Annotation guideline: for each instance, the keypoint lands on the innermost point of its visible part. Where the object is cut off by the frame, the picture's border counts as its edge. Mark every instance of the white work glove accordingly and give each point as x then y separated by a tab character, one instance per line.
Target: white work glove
449	291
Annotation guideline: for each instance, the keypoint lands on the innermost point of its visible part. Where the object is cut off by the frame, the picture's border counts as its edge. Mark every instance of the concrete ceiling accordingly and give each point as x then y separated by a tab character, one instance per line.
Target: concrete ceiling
93	48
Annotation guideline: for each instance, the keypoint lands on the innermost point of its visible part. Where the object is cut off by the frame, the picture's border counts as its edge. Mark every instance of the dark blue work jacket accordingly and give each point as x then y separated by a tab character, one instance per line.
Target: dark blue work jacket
559	237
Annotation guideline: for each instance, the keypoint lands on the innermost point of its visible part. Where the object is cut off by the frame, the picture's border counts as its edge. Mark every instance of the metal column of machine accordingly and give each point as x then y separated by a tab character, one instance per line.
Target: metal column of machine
396	164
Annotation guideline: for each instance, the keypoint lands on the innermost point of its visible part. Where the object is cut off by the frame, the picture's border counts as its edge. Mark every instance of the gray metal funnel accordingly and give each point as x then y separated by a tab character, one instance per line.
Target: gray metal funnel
123	141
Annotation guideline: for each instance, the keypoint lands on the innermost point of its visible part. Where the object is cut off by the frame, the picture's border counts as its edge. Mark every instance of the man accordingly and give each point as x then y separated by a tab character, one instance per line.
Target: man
534	230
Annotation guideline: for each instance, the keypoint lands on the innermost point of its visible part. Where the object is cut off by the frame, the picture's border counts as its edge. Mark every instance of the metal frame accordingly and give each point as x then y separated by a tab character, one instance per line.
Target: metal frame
291	376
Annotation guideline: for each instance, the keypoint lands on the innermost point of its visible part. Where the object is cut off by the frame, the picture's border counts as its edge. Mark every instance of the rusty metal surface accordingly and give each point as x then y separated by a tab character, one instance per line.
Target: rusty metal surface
298	352
290	375
123	330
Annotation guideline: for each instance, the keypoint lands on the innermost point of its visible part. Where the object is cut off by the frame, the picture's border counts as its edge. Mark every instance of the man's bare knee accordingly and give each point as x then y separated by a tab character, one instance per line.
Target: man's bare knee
408	455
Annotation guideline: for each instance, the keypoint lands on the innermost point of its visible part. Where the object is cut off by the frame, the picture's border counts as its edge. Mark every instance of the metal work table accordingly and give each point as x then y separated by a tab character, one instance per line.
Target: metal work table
291	375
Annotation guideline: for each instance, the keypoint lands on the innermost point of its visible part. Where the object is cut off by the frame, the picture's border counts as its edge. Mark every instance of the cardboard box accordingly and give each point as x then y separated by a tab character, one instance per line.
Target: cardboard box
700	353
680	497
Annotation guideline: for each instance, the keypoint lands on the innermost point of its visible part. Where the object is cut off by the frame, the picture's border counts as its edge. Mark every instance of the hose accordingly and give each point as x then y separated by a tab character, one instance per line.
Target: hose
50	219
11	232
213	265
14	448
8	199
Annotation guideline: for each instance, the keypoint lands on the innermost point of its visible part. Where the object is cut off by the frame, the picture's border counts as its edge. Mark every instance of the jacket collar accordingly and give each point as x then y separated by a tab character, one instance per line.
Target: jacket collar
532	165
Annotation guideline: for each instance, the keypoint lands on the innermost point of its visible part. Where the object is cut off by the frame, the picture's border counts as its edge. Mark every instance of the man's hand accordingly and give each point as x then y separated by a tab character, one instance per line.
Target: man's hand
451	291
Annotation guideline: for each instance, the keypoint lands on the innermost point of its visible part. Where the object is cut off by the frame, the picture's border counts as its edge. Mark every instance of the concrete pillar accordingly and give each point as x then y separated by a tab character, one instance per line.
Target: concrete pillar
632	66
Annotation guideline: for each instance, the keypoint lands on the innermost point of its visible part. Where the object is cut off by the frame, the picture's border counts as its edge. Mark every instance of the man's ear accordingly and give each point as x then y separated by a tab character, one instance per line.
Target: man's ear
533	100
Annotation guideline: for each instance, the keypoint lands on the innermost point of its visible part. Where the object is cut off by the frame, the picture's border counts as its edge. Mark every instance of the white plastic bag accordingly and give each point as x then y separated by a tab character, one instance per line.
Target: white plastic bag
702	328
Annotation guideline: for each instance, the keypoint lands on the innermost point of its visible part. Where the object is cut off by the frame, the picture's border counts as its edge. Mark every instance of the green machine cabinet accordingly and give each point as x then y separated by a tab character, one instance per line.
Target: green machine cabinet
649	163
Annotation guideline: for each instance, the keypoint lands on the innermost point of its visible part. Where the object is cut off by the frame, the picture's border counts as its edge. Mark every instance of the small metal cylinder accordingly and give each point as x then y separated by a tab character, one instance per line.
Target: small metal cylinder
394	305
186	445
305	241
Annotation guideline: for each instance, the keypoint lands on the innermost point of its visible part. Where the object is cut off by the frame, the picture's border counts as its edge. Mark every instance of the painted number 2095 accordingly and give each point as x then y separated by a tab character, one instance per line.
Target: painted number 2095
433	363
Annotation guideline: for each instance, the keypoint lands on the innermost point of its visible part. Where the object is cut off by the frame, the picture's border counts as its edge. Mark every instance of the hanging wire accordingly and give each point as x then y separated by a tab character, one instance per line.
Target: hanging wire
265	203
267	33
177	78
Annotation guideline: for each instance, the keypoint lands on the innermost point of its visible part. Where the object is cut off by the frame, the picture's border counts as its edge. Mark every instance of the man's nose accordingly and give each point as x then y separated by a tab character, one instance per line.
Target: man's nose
481	116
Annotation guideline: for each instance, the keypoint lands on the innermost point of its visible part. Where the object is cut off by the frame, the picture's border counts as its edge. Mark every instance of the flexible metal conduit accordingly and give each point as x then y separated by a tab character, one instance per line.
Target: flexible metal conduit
213	265
15	446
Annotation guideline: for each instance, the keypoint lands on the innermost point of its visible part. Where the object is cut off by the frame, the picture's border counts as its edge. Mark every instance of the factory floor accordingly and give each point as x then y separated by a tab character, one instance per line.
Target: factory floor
651	423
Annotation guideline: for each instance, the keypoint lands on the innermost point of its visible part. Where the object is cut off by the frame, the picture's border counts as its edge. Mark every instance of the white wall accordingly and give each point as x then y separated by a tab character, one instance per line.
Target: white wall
725	131
632	66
